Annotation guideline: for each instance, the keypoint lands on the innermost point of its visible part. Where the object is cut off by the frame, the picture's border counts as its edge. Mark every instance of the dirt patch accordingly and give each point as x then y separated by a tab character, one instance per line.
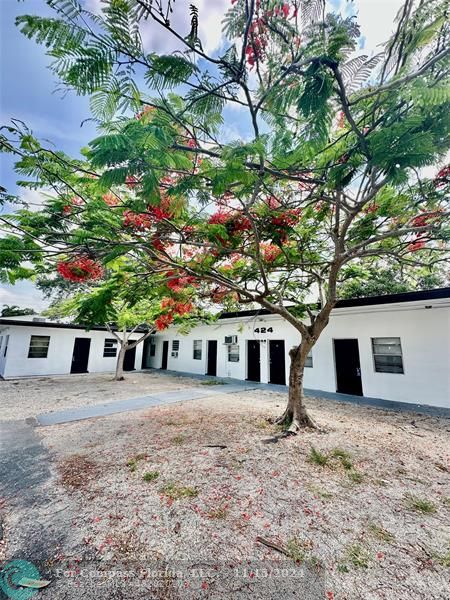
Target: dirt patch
77	472
23	398
360	510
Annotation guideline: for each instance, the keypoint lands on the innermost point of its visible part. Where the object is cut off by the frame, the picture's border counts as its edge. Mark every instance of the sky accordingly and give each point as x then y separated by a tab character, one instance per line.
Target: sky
28	89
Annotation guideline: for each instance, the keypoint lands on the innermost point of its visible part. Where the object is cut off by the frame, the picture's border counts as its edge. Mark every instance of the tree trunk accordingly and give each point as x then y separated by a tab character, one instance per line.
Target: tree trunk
295	416
119	365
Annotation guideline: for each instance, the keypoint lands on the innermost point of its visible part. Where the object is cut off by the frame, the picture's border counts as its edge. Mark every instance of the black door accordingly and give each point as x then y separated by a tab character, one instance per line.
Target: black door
80	356
212	357
348	368
253	361
277	362
129	360
165	355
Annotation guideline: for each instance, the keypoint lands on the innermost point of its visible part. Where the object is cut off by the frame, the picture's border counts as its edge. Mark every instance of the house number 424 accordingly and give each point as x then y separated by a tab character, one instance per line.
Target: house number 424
263	330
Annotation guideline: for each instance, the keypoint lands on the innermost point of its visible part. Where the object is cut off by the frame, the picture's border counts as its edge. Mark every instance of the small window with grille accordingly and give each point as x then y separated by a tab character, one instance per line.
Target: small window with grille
387	355
39	346
197	349
110	348
233	353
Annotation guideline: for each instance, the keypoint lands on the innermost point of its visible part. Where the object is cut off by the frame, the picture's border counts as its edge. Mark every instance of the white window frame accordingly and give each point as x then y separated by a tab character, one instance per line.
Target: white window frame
233	350
197	347
309	363
34	338
376	340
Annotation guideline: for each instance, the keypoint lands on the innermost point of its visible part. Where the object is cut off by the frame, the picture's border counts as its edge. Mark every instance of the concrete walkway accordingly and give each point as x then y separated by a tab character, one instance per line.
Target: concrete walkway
111	408
221	385
435	411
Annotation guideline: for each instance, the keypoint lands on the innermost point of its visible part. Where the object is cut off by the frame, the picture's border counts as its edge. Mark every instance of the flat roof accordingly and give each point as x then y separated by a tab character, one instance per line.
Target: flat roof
435	294
54	325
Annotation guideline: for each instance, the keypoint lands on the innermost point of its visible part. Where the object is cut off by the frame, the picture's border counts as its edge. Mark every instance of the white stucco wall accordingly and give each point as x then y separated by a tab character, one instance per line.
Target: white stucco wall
424	335
60	350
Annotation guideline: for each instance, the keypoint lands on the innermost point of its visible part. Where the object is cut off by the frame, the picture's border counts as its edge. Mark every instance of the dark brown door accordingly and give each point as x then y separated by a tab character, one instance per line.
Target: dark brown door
277	362
212	357
129	360
253	360
165	354
80	355
348	367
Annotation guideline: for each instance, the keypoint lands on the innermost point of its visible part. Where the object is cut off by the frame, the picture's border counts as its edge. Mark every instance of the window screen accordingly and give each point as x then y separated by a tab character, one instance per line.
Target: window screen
110	348
39	346
387	355
233	353
197	349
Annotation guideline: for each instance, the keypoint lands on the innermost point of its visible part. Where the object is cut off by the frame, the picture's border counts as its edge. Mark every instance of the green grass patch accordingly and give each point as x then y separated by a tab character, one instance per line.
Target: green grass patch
420	505
444	559
356	476
381	533
317	458
317	491
298	549
150	475
178	440
177	492
213	382
357	556
132	463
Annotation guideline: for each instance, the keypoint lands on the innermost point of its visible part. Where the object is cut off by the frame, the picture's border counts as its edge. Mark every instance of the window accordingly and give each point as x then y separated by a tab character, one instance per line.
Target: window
197	349
309	359
233	353
39	346
6	345
152	349
175	345
110	348
387	355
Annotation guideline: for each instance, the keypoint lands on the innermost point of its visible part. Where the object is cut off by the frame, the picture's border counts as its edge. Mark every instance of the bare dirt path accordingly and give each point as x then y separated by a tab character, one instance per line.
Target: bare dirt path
362	509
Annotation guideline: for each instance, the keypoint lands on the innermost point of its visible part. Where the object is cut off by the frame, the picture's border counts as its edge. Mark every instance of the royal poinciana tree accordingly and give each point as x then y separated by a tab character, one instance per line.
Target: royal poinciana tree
335	169
124	299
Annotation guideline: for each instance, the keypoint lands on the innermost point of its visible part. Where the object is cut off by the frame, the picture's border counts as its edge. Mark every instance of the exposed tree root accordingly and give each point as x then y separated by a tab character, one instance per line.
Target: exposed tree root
294	424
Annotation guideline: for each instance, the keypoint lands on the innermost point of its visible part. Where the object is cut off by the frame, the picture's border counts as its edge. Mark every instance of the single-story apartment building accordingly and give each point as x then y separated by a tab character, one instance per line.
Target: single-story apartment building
34	346
394	347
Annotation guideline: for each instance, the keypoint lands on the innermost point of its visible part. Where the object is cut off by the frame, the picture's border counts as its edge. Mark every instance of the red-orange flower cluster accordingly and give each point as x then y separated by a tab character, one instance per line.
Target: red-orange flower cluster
270	252
80	269
110	199
177	283
173	308
416	245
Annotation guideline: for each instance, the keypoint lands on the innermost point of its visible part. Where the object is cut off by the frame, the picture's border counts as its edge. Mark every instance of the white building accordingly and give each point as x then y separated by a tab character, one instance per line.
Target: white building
33	346
390	347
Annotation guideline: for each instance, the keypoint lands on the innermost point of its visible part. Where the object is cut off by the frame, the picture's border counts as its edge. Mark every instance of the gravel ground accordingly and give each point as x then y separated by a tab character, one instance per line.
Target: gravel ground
189	490
22	398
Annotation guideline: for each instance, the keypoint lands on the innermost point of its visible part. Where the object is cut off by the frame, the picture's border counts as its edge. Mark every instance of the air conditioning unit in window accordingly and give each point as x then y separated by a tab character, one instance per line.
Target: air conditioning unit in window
231	339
